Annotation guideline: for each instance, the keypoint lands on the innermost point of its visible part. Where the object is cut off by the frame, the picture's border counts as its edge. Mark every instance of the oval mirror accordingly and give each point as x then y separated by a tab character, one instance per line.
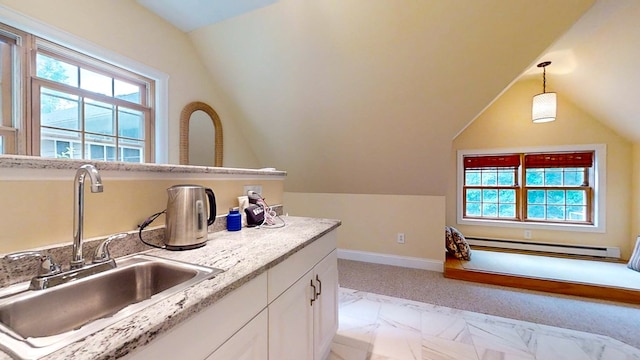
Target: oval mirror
200	142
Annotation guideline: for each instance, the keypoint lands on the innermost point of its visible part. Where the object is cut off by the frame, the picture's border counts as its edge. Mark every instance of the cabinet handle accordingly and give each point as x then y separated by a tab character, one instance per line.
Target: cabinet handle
313	294
319	286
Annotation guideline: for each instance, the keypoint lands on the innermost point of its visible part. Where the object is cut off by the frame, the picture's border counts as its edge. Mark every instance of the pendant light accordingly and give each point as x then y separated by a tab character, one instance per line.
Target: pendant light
544	104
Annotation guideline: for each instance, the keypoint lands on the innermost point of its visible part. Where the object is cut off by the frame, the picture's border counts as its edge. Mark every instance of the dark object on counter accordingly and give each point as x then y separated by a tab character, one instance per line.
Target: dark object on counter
255	215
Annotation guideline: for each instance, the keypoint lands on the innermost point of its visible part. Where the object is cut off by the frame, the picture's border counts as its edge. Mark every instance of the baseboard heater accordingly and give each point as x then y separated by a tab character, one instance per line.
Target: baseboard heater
600	251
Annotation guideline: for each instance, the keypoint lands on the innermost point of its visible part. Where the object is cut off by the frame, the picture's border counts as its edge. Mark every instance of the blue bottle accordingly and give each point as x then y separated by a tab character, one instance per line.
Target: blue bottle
234	220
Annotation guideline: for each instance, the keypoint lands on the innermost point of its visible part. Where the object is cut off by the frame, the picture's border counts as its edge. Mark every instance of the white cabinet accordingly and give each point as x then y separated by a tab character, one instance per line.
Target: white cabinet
250	343
290	312
326	306
304	319
291	323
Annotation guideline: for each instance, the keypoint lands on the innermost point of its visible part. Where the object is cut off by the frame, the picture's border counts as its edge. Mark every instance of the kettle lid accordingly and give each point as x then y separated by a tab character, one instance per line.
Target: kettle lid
185	186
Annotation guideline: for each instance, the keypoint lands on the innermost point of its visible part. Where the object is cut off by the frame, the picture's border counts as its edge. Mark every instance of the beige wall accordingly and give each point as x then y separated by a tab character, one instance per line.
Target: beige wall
364	96
506	124
371	222
39	212
125	28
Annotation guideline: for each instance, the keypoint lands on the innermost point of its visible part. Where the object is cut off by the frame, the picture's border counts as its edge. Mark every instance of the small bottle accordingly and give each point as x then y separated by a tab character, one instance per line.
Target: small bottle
234	219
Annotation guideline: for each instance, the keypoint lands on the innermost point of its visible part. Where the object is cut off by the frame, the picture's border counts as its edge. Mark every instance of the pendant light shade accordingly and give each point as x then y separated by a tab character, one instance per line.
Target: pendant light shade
544	107
544	104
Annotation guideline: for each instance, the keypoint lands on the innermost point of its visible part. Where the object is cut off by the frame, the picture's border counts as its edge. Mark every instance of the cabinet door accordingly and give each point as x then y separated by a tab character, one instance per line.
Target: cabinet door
291	322
250	343
326	307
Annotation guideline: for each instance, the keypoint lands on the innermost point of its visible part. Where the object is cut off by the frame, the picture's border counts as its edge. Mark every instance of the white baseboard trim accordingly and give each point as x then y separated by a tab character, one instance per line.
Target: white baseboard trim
395	260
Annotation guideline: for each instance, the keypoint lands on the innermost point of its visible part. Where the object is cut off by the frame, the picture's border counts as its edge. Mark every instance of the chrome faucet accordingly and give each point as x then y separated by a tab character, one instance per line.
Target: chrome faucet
77	261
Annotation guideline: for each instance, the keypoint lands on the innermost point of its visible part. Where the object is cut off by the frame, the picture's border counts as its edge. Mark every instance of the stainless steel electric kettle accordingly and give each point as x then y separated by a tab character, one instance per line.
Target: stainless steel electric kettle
187	220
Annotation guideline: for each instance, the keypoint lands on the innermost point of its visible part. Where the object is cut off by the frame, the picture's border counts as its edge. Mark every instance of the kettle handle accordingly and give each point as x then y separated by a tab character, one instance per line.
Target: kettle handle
212	206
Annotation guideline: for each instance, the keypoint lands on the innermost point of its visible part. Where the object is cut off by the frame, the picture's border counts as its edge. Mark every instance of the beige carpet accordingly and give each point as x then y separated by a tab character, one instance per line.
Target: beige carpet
617	320
572	270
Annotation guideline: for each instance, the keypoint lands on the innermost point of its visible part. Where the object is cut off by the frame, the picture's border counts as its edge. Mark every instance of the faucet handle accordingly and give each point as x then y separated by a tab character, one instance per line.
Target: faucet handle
47	265
101	254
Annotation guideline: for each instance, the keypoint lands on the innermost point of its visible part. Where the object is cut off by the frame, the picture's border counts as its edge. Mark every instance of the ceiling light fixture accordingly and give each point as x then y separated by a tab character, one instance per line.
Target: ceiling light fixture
544	104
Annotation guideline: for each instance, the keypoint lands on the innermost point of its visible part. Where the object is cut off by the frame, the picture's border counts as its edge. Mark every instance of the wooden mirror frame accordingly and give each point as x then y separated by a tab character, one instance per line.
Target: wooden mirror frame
185	116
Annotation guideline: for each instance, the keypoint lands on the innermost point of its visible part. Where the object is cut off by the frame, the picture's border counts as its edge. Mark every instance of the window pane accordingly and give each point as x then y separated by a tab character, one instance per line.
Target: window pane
131	155
576	197
100	147
473	209
507	210
490	210
58	109
111	153
60	144
535	196
506	177
573	177
490	196
489	178
536	212
472	177
96	152
577	213
553	177
473	195
131	151
99	117
95	82
1	146
534	177
126	91
130	123
507	196
56	70
555	212
6	85
555	197
64	149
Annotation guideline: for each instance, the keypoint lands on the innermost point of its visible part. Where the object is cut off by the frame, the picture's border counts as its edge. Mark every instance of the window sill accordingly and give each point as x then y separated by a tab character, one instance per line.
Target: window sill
532	225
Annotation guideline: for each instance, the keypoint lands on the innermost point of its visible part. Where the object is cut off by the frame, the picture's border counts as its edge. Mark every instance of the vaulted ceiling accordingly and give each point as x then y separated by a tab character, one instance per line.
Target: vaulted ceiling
595	64
365	96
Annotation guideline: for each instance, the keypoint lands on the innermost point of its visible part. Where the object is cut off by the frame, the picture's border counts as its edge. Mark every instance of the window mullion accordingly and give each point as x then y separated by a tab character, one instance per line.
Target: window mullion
522	208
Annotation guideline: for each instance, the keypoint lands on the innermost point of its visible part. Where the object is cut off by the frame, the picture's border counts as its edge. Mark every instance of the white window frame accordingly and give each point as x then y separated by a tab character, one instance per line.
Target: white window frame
599	187
63	38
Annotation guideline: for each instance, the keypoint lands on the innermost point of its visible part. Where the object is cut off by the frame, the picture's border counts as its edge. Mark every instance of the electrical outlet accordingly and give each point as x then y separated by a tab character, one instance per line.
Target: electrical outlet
255	188
400	238
527	234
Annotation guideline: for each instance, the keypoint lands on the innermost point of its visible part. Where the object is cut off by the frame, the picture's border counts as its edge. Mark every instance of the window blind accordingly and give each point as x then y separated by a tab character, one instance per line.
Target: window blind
493	161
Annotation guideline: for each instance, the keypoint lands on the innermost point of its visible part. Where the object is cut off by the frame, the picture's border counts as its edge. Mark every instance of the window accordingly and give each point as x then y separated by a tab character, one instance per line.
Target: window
88	111
555	187
491	187
78	106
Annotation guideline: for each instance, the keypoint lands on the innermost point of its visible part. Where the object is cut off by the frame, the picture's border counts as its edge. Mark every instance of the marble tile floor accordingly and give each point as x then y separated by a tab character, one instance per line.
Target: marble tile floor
377	327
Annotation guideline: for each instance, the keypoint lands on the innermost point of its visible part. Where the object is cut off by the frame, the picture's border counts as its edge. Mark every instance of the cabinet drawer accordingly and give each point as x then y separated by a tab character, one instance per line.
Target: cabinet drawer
283	275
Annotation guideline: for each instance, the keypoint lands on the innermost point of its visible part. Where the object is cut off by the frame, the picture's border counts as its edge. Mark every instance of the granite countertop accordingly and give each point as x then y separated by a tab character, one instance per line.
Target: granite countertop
243	255
37	163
